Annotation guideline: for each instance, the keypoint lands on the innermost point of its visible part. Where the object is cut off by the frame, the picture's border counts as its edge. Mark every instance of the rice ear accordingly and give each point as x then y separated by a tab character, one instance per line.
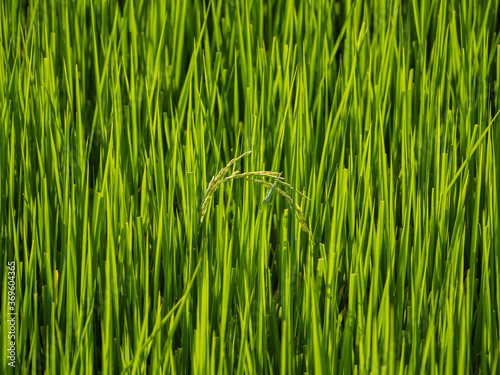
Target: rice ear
276	176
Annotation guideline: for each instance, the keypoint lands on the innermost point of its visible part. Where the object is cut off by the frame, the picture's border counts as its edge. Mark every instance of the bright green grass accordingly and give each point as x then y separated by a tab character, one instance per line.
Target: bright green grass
114	118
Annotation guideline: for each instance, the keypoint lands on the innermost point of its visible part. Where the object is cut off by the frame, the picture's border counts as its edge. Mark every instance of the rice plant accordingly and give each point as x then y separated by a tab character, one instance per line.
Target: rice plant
236	186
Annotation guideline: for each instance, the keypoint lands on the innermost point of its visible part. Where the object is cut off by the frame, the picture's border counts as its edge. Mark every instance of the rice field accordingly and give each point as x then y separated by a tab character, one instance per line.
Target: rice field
249	187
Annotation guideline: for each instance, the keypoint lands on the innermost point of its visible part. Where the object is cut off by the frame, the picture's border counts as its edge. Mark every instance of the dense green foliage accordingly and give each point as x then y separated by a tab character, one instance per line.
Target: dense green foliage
115	117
